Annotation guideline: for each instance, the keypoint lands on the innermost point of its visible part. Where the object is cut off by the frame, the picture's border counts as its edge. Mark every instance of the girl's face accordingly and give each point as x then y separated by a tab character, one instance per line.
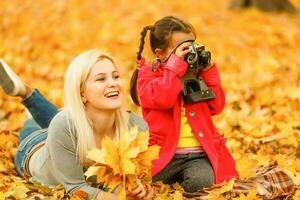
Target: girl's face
175	40
103	87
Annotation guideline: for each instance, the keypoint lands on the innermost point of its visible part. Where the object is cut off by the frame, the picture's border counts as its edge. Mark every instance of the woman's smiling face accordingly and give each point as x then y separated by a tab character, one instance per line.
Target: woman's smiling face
103	88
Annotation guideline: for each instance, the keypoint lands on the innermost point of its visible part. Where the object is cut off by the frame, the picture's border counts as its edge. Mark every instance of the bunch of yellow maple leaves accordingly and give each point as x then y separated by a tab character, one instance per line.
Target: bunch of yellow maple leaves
119	164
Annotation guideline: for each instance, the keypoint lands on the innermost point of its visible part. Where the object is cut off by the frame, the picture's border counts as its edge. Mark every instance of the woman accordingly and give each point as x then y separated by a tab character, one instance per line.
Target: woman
93	110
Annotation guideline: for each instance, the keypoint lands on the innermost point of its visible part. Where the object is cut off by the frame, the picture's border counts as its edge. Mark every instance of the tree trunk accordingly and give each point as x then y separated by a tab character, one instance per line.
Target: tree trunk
265	5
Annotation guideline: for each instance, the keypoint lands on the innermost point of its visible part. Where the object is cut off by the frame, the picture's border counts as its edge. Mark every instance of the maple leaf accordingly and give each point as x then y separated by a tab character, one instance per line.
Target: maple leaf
111	155
246	167
18	191
144	159
119	163
79	195
217	190
250	196
96	155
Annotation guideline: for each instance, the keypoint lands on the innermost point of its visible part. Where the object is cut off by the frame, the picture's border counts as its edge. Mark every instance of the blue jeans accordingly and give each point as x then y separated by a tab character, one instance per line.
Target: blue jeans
35	129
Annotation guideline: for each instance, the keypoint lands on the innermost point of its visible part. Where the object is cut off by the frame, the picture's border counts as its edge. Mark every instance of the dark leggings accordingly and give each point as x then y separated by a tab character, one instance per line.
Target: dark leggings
193	171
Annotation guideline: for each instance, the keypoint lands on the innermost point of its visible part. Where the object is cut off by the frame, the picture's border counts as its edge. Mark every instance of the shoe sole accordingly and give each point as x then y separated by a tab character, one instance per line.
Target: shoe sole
5	81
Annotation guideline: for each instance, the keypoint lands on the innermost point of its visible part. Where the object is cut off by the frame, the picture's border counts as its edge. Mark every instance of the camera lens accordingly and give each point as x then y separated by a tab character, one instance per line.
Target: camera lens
204	58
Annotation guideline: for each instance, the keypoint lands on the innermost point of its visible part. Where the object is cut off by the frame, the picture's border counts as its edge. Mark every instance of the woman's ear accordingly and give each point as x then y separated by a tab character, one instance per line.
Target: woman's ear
83	98
159	53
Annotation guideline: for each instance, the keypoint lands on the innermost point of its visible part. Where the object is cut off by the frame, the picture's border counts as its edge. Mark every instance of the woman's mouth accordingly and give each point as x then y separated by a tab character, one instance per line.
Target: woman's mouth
112	94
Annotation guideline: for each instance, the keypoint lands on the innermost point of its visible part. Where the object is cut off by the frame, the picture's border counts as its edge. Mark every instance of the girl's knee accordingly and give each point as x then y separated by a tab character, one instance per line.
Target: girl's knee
196	183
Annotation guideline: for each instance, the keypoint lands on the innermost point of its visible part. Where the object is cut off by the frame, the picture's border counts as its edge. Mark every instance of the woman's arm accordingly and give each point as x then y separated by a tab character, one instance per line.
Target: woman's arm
106	196
65	163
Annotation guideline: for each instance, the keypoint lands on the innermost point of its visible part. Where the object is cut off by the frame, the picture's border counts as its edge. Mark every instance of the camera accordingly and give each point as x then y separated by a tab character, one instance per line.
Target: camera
198	58
194	87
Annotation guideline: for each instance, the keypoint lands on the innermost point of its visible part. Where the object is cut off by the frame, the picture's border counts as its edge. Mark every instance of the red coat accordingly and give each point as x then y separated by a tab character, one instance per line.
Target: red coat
159	94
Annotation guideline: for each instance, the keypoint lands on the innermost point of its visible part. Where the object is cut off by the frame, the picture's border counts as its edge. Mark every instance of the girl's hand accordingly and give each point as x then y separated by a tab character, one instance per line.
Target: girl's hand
141	192
183	49
107	196
208	67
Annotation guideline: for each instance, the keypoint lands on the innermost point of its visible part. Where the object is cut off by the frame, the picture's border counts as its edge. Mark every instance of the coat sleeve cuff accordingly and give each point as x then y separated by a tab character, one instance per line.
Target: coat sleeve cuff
177	65
211	76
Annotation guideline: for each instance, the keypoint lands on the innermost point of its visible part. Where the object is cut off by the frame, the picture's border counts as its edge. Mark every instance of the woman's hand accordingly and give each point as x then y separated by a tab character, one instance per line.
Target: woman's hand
149	192
141	192
107	196
183	49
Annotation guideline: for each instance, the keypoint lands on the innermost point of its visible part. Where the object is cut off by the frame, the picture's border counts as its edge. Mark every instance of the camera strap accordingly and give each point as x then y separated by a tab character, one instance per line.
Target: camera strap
174	49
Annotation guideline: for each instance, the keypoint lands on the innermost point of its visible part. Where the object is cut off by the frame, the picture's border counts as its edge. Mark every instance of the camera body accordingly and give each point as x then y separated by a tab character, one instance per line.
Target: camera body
194	87
197	58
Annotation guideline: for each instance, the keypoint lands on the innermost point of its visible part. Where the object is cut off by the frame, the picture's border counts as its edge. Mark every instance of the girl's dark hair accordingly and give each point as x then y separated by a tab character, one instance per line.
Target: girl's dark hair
160	35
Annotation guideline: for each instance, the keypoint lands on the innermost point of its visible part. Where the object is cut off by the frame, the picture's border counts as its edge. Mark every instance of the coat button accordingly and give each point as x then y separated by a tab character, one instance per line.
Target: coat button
200	133
192	113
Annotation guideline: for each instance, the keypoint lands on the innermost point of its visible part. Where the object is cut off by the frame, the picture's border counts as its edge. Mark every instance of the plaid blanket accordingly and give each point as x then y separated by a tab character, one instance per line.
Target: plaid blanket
270	182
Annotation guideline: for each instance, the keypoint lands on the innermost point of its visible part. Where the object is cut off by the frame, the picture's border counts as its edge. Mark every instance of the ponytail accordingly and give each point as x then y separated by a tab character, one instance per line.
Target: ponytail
133	88
142	40
133	81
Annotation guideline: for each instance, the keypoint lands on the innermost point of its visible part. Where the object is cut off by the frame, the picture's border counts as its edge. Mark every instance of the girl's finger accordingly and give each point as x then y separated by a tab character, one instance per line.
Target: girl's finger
182	53
184	46
185	52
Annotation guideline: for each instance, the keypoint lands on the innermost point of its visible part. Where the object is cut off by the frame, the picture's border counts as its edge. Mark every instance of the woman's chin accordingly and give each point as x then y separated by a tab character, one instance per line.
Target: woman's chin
114	106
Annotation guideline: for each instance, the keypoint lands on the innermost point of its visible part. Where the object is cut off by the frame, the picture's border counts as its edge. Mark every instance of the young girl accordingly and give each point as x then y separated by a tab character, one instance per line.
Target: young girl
192	151
93	110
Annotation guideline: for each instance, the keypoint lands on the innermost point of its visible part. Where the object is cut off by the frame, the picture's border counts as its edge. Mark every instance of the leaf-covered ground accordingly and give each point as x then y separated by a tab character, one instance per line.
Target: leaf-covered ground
258	55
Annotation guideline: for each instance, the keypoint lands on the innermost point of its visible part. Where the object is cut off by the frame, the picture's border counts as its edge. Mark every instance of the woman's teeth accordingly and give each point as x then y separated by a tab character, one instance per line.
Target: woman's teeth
112	94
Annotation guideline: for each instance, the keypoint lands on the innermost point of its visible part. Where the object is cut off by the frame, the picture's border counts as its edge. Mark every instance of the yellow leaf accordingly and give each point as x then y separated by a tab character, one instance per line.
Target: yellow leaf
111	155
131	182
145	158
18	191
2	195
250	196
122	194
102	174
141	141
133	152
96	155
246	167
91	171
216	191
177	195
115	183
130	135
128	166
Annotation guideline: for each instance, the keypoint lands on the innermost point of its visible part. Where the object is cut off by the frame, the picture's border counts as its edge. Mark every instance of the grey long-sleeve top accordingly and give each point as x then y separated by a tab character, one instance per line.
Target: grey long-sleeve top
56	162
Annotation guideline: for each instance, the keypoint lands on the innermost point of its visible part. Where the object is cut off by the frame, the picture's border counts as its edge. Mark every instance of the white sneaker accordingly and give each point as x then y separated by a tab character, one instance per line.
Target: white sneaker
10	82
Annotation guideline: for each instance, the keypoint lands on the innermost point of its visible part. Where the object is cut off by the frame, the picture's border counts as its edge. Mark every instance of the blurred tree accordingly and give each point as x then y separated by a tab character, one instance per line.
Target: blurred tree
265	5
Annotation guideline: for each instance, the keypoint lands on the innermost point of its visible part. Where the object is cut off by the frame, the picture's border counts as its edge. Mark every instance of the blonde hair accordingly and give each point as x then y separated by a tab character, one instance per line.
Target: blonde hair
75	78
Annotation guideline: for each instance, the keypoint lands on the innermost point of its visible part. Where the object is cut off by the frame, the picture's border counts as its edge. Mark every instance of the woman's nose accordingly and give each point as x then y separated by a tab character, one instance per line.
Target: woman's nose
112	82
